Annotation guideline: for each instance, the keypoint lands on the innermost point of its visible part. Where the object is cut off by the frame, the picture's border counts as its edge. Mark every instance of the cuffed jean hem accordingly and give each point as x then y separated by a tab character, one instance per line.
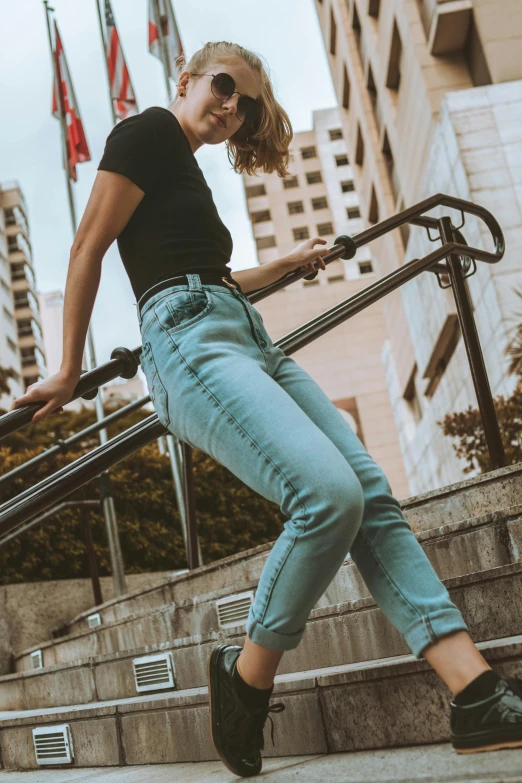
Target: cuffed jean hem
430	628
272	639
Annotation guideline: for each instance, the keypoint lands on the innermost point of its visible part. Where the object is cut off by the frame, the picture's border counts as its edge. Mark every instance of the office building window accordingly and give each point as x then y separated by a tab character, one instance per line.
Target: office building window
410	395
301	233
320	202
372	89
359	148
262	242
290	182
346	89
335	133
347	186
356	25
261	217
443	350
353	212
390	165
365	267
341	160
308	152
255	190
374	6
295	207
373	212
312	177
324	228
333	33
405	228
393	78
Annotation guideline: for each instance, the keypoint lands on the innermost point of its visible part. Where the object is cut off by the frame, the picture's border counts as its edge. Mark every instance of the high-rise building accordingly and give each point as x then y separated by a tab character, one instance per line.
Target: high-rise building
430	101
21	338
319	199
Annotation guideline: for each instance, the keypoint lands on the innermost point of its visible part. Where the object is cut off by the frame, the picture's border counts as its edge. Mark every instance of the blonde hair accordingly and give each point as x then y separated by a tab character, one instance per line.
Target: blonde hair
267	147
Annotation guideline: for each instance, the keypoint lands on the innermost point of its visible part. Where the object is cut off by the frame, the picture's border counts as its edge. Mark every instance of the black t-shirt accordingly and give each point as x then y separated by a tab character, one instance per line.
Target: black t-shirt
175	228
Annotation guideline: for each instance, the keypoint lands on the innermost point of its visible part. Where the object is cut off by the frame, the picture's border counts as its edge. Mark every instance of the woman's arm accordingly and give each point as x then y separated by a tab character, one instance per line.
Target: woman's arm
303	256
259	276
111	204
113	199
81	287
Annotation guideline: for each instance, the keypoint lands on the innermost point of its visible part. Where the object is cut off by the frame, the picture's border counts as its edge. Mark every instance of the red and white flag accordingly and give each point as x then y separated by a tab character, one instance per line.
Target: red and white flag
65	102
162	25
120	85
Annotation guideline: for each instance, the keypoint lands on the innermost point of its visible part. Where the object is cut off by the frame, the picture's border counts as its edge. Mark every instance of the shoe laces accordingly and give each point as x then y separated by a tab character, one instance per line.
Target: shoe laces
515	684
251	731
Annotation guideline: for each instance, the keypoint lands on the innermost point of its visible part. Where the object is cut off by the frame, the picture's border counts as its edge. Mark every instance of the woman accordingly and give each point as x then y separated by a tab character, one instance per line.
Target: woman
218	382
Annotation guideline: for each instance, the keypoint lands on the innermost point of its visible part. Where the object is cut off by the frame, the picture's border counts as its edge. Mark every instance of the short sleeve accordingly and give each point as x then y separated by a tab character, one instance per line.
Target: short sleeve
136	147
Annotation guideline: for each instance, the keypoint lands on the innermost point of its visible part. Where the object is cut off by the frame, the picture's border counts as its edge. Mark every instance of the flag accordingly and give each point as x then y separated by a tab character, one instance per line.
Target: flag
64	100
120	85
162	21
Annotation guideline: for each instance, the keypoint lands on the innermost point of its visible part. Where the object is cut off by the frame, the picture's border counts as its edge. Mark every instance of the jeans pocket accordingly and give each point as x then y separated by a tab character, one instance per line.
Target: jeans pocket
157	391
185	308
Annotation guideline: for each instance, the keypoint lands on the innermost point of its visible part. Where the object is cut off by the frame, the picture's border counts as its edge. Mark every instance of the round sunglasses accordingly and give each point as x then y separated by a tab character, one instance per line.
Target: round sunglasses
223	87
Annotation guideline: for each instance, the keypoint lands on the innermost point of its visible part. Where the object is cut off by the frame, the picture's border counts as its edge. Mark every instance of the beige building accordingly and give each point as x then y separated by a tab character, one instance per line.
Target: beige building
430	101
21	337
320	199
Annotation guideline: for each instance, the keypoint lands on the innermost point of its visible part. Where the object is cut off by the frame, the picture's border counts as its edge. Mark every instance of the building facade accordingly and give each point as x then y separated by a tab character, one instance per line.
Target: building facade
21	341
430	101
320	199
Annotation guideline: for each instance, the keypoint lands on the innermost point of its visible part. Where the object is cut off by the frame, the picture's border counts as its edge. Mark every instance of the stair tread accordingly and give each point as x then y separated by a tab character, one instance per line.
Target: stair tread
421	763
283	683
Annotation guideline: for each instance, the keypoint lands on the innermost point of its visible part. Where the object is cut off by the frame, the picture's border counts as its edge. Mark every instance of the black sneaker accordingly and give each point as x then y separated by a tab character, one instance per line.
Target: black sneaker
236	728
490	724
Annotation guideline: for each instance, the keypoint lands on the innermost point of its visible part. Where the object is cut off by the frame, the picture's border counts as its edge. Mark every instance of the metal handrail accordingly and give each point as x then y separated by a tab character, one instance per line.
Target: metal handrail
62	446
124	362
457	253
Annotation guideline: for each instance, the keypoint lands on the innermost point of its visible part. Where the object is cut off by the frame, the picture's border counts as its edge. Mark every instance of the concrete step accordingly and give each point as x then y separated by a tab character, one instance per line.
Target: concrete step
435	763
389	703
476	497
472	545
347	633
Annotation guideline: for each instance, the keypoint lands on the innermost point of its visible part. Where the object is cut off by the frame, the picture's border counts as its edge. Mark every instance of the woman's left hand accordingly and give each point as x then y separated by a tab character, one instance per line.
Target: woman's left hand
304	256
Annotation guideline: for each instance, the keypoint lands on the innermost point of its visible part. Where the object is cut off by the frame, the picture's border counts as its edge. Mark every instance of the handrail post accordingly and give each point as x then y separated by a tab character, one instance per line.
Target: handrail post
479	374
190	507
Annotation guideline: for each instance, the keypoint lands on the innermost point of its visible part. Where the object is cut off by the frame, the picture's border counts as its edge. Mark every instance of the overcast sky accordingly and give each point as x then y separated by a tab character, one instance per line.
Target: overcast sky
285	32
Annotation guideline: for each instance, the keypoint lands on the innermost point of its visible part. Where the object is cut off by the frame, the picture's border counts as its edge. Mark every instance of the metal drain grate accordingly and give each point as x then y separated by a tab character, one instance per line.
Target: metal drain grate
94	620
233	609
154	672
36	659
53	744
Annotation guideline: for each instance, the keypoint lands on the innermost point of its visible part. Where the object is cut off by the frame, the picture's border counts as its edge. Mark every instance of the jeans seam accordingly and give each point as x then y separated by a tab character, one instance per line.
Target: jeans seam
234	420
394	586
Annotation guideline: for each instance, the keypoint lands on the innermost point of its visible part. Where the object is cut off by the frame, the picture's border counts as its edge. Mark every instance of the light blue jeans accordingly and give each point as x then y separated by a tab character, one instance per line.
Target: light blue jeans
218	382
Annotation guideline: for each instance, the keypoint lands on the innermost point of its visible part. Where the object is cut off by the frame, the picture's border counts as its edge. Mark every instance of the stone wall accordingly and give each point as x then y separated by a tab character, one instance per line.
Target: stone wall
30	610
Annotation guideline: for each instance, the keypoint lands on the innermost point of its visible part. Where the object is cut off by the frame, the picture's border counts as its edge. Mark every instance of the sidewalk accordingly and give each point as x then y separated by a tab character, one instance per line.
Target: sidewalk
421	764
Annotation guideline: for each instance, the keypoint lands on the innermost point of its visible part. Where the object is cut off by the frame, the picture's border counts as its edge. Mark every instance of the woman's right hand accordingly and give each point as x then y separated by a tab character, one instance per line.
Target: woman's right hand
56	390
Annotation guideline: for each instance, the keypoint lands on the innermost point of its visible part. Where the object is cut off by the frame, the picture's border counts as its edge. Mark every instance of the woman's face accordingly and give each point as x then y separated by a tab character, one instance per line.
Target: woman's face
196	110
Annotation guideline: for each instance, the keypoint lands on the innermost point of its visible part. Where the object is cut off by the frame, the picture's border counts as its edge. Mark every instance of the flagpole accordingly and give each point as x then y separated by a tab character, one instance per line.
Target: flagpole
104	42
62	121
163	45
117	567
